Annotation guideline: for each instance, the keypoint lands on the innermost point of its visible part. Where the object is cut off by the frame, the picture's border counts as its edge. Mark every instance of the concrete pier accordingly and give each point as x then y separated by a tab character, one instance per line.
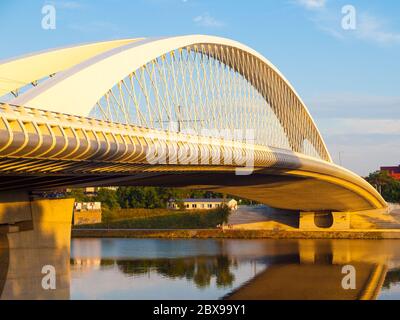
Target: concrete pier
33	240
324	221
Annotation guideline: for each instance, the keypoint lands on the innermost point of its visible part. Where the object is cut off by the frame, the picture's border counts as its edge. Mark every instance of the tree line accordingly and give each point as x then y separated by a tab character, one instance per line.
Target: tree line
140	197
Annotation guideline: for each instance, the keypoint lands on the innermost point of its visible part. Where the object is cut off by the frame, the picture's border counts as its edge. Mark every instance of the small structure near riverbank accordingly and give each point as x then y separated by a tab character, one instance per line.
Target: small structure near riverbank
87	213
201	204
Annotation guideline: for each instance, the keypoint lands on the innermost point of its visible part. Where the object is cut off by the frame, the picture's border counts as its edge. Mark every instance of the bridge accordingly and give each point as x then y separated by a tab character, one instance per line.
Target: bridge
188	111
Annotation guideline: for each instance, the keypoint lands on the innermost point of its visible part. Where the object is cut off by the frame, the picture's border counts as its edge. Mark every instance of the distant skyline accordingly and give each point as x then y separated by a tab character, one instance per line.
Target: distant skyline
349	79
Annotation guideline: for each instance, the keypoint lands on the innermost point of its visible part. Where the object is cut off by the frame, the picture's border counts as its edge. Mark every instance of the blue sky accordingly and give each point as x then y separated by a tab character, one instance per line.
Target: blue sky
349	79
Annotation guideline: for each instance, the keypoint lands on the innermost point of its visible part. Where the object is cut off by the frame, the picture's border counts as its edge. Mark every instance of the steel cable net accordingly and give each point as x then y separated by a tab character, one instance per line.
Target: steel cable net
203	90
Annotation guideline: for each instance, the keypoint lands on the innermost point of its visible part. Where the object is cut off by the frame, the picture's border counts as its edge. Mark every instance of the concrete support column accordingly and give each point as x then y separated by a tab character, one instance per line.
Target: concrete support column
35	239
319	221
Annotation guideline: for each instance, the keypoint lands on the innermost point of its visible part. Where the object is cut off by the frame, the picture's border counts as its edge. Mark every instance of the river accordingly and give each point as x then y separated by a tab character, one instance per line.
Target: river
234	269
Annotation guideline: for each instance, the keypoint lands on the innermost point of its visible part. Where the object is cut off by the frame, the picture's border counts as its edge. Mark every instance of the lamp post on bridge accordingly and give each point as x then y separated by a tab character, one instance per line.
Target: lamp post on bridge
179	120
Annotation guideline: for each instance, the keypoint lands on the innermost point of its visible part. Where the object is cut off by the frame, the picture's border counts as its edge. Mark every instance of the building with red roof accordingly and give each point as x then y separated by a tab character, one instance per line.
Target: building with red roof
393	171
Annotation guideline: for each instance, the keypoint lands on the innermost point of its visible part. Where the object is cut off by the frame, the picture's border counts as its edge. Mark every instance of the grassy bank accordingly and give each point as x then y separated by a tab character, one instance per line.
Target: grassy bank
159	219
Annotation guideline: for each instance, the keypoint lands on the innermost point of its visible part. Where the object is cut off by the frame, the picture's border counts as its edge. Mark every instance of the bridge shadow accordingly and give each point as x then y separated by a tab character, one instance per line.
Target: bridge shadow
267	217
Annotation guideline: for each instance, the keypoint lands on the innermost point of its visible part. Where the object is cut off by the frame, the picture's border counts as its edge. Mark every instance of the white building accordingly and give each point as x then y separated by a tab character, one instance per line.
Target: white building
87	206
202	204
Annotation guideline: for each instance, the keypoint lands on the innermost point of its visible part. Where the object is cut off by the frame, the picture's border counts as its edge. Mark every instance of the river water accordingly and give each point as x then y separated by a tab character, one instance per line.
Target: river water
234	269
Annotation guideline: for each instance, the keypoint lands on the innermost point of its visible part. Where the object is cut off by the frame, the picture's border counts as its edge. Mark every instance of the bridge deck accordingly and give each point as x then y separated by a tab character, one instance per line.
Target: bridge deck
42	150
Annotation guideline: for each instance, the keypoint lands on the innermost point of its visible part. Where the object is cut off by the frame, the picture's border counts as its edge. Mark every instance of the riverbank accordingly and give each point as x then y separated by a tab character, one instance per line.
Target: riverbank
275	224
235	234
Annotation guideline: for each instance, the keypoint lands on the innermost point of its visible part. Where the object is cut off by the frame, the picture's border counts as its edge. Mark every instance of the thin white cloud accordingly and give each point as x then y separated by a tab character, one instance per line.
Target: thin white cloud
369	28
360	126
362	132
362	145
95	26
70	5
349	114
350	105
206	20
312	4
374	29
364	154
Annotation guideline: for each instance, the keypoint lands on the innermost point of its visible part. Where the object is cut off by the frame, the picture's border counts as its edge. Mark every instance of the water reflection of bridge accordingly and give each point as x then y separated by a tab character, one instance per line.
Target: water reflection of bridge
315	272
286	269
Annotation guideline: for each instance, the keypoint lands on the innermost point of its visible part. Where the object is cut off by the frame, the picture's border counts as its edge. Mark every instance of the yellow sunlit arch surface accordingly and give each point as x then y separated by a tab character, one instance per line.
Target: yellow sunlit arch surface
19	72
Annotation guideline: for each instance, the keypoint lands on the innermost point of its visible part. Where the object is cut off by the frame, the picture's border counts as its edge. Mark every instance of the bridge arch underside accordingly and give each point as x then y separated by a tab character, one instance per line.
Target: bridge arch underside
280	179
277	188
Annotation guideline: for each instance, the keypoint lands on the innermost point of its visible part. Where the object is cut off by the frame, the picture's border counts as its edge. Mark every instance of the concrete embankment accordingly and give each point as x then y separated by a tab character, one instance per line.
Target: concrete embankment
238	234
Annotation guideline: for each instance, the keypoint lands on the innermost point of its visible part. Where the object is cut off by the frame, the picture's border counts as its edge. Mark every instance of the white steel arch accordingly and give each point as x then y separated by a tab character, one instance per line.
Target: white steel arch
77	89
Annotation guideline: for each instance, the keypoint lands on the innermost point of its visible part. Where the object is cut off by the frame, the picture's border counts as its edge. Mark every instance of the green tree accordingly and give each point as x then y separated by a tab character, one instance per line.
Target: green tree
224	211
78	194
151	198
108	198
386	185
147	197
106	217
